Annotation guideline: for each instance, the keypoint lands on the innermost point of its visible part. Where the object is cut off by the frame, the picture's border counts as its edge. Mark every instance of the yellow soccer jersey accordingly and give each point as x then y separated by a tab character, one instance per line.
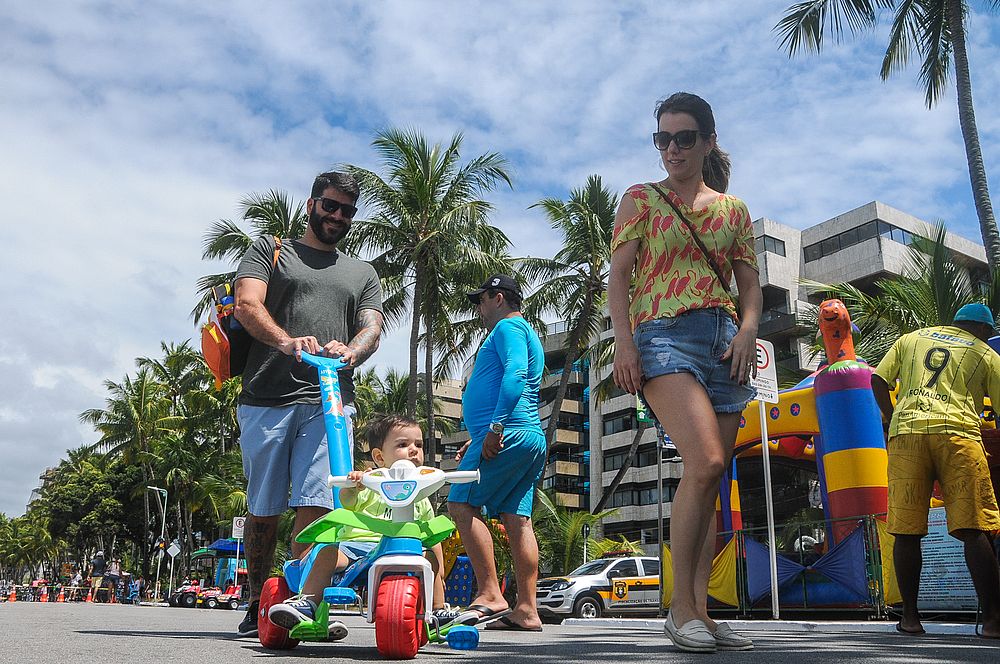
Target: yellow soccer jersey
944	373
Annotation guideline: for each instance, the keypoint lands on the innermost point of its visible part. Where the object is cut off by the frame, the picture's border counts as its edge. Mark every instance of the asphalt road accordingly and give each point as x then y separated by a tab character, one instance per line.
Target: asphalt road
64	633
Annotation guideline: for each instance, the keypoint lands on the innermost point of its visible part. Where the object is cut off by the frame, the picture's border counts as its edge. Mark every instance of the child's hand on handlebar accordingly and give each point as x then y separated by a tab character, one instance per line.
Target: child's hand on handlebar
356	476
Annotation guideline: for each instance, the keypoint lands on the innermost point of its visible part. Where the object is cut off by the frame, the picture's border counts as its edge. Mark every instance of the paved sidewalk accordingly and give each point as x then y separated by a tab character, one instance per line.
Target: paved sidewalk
35	633
791	626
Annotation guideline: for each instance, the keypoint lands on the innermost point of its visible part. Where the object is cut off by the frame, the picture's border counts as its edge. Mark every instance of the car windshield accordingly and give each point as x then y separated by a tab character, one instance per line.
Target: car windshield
593	567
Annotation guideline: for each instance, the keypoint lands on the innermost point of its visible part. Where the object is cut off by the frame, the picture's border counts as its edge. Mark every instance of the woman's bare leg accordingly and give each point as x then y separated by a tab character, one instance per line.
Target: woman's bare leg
683	408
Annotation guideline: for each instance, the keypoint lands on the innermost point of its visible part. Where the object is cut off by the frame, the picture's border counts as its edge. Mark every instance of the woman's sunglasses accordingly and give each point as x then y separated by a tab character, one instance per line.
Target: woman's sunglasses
329	205
685	139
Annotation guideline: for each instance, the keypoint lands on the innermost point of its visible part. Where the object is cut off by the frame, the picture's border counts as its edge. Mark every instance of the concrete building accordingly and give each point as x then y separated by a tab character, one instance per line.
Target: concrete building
860	246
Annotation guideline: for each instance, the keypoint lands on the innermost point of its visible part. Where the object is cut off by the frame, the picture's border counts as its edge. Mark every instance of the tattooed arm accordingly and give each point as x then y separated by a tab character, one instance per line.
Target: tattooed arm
368	323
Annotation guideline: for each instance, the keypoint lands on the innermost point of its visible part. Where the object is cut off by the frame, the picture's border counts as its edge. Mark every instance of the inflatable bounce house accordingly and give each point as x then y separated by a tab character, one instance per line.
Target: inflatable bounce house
829	419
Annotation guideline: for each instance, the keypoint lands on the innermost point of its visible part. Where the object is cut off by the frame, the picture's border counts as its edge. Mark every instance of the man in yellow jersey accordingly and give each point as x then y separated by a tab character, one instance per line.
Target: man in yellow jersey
943	372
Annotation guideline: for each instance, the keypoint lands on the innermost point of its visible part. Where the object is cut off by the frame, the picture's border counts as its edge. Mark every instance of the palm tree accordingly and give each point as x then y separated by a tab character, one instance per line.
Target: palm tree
181	370
575	281
130	421
375	395
272	213
428	219
932	288
933	30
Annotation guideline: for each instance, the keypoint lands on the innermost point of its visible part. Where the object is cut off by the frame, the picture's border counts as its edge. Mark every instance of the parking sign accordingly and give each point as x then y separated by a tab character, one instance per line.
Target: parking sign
766	381
238	523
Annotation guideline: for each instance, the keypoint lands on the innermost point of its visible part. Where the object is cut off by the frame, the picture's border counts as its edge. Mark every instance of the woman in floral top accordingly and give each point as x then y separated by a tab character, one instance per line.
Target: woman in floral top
676	337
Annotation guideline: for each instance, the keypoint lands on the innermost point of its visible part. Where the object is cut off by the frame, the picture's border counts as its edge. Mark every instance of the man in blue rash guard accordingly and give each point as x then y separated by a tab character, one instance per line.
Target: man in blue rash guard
500	409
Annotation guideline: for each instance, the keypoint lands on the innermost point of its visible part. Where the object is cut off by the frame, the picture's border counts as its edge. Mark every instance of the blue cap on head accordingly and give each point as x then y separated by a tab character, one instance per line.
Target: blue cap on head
975	313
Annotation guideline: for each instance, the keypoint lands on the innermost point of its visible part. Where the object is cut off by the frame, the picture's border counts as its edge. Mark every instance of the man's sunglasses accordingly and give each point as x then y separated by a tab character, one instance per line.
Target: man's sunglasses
331	206
685	139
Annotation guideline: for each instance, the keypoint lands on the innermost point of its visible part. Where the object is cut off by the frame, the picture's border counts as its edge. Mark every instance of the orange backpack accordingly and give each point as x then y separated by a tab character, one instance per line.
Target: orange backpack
224	343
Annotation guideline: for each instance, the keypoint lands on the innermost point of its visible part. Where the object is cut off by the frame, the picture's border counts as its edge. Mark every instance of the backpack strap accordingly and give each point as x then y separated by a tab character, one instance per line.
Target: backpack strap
277	252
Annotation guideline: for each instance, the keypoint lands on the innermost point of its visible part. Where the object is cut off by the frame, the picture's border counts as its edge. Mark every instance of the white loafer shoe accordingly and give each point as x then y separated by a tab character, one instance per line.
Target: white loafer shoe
727	639
692	637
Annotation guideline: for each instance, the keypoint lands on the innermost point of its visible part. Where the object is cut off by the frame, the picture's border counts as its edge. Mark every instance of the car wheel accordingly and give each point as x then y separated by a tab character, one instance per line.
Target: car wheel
587	607
234	604
210	603
188	600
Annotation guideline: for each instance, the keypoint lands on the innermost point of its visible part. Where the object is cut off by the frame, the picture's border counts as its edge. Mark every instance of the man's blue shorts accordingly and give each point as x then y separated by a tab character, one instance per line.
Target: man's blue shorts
285	456
507	481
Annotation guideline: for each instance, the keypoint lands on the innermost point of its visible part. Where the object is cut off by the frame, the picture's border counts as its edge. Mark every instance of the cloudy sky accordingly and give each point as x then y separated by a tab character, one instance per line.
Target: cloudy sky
127	128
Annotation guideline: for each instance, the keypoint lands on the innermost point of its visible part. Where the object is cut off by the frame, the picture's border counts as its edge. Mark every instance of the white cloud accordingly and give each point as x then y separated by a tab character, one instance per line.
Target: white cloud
128	128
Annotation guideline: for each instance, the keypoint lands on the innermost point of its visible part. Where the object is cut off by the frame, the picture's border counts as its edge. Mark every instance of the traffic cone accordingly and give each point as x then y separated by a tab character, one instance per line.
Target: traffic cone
114	592
13	594
62	595
44	594
90	596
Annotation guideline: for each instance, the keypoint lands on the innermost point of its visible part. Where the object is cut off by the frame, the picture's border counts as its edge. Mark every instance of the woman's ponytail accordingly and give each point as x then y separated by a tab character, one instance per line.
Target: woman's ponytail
716	169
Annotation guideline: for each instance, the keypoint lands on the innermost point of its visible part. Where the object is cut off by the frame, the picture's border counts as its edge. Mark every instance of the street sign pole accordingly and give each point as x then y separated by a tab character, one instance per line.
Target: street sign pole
766	383
172	551
239	522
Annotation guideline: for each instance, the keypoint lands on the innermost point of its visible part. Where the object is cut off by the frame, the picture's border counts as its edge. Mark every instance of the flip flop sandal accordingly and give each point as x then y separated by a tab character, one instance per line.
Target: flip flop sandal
909	632
477	614
510	626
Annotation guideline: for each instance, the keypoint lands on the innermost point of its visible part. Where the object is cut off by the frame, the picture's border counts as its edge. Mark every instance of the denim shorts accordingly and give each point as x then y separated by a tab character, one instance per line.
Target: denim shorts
356	549
285	456
507	481
694	343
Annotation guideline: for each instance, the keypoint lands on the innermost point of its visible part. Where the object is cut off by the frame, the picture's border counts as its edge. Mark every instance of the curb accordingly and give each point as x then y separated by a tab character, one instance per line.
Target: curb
819	626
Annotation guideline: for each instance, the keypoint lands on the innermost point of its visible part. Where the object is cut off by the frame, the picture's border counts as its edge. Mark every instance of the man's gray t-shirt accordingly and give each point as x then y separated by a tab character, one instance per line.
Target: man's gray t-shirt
310	292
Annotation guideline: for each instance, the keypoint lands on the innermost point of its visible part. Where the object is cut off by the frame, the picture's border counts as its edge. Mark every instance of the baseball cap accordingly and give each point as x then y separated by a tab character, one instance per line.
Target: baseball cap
497	281
975	313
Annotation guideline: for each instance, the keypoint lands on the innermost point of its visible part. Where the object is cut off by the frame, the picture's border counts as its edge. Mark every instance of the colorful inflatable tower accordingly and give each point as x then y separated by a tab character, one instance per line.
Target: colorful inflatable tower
850	450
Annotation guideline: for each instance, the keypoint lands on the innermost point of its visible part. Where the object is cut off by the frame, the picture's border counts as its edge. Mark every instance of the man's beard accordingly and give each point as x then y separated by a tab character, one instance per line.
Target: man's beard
316	223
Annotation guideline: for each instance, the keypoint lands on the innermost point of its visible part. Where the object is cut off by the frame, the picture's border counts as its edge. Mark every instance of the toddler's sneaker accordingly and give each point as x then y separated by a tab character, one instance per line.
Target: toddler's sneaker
446	614
292	611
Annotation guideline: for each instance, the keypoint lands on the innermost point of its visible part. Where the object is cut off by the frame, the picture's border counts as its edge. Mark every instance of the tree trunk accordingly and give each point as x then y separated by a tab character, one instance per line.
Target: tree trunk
606	496
970	134
411	388
430	446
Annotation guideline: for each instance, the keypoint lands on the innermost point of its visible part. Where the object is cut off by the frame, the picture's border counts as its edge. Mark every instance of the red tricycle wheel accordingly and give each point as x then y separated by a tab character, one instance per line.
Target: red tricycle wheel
271	636
399	632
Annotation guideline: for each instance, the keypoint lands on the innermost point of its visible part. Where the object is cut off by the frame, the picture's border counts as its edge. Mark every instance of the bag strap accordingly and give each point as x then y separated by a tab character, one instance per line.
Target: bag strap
277	252
694	236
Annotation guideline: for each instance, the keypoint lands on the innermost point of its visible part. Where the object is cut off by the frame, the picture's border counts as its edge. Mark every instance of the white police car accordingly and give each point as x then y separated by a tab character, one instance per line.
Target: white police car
604	586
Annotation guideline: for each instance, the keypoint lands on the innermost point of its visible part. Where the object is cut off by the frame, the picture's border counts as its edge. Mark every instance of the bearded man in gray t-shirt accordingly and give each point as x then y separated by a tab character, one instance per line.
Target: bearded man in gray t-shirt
314	299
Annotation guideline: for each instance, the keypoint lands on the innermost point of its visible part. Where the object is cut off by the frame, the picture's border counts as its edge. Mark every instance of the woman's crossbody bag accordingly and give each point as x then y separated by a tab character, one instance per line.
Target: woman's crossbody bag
697	240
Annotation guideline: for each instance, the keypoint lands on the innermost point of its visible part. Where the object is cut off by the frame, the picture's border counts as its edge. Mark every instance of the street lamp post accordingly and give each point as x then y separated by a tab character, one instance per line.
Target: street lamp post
163	530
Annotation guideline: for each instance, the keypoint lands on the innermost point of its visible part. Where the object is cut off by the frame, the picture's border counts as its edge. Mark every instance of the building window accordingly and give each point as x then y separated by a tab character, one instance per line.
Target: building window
618	422
774	245
615	461
867	231
853	236
770	244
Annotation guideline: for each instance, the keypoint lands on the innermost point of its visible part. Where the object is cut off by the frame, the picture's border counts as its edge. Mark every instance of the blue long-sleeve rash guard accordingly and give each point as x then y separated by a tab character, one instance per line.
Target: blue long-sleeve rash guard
505	380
